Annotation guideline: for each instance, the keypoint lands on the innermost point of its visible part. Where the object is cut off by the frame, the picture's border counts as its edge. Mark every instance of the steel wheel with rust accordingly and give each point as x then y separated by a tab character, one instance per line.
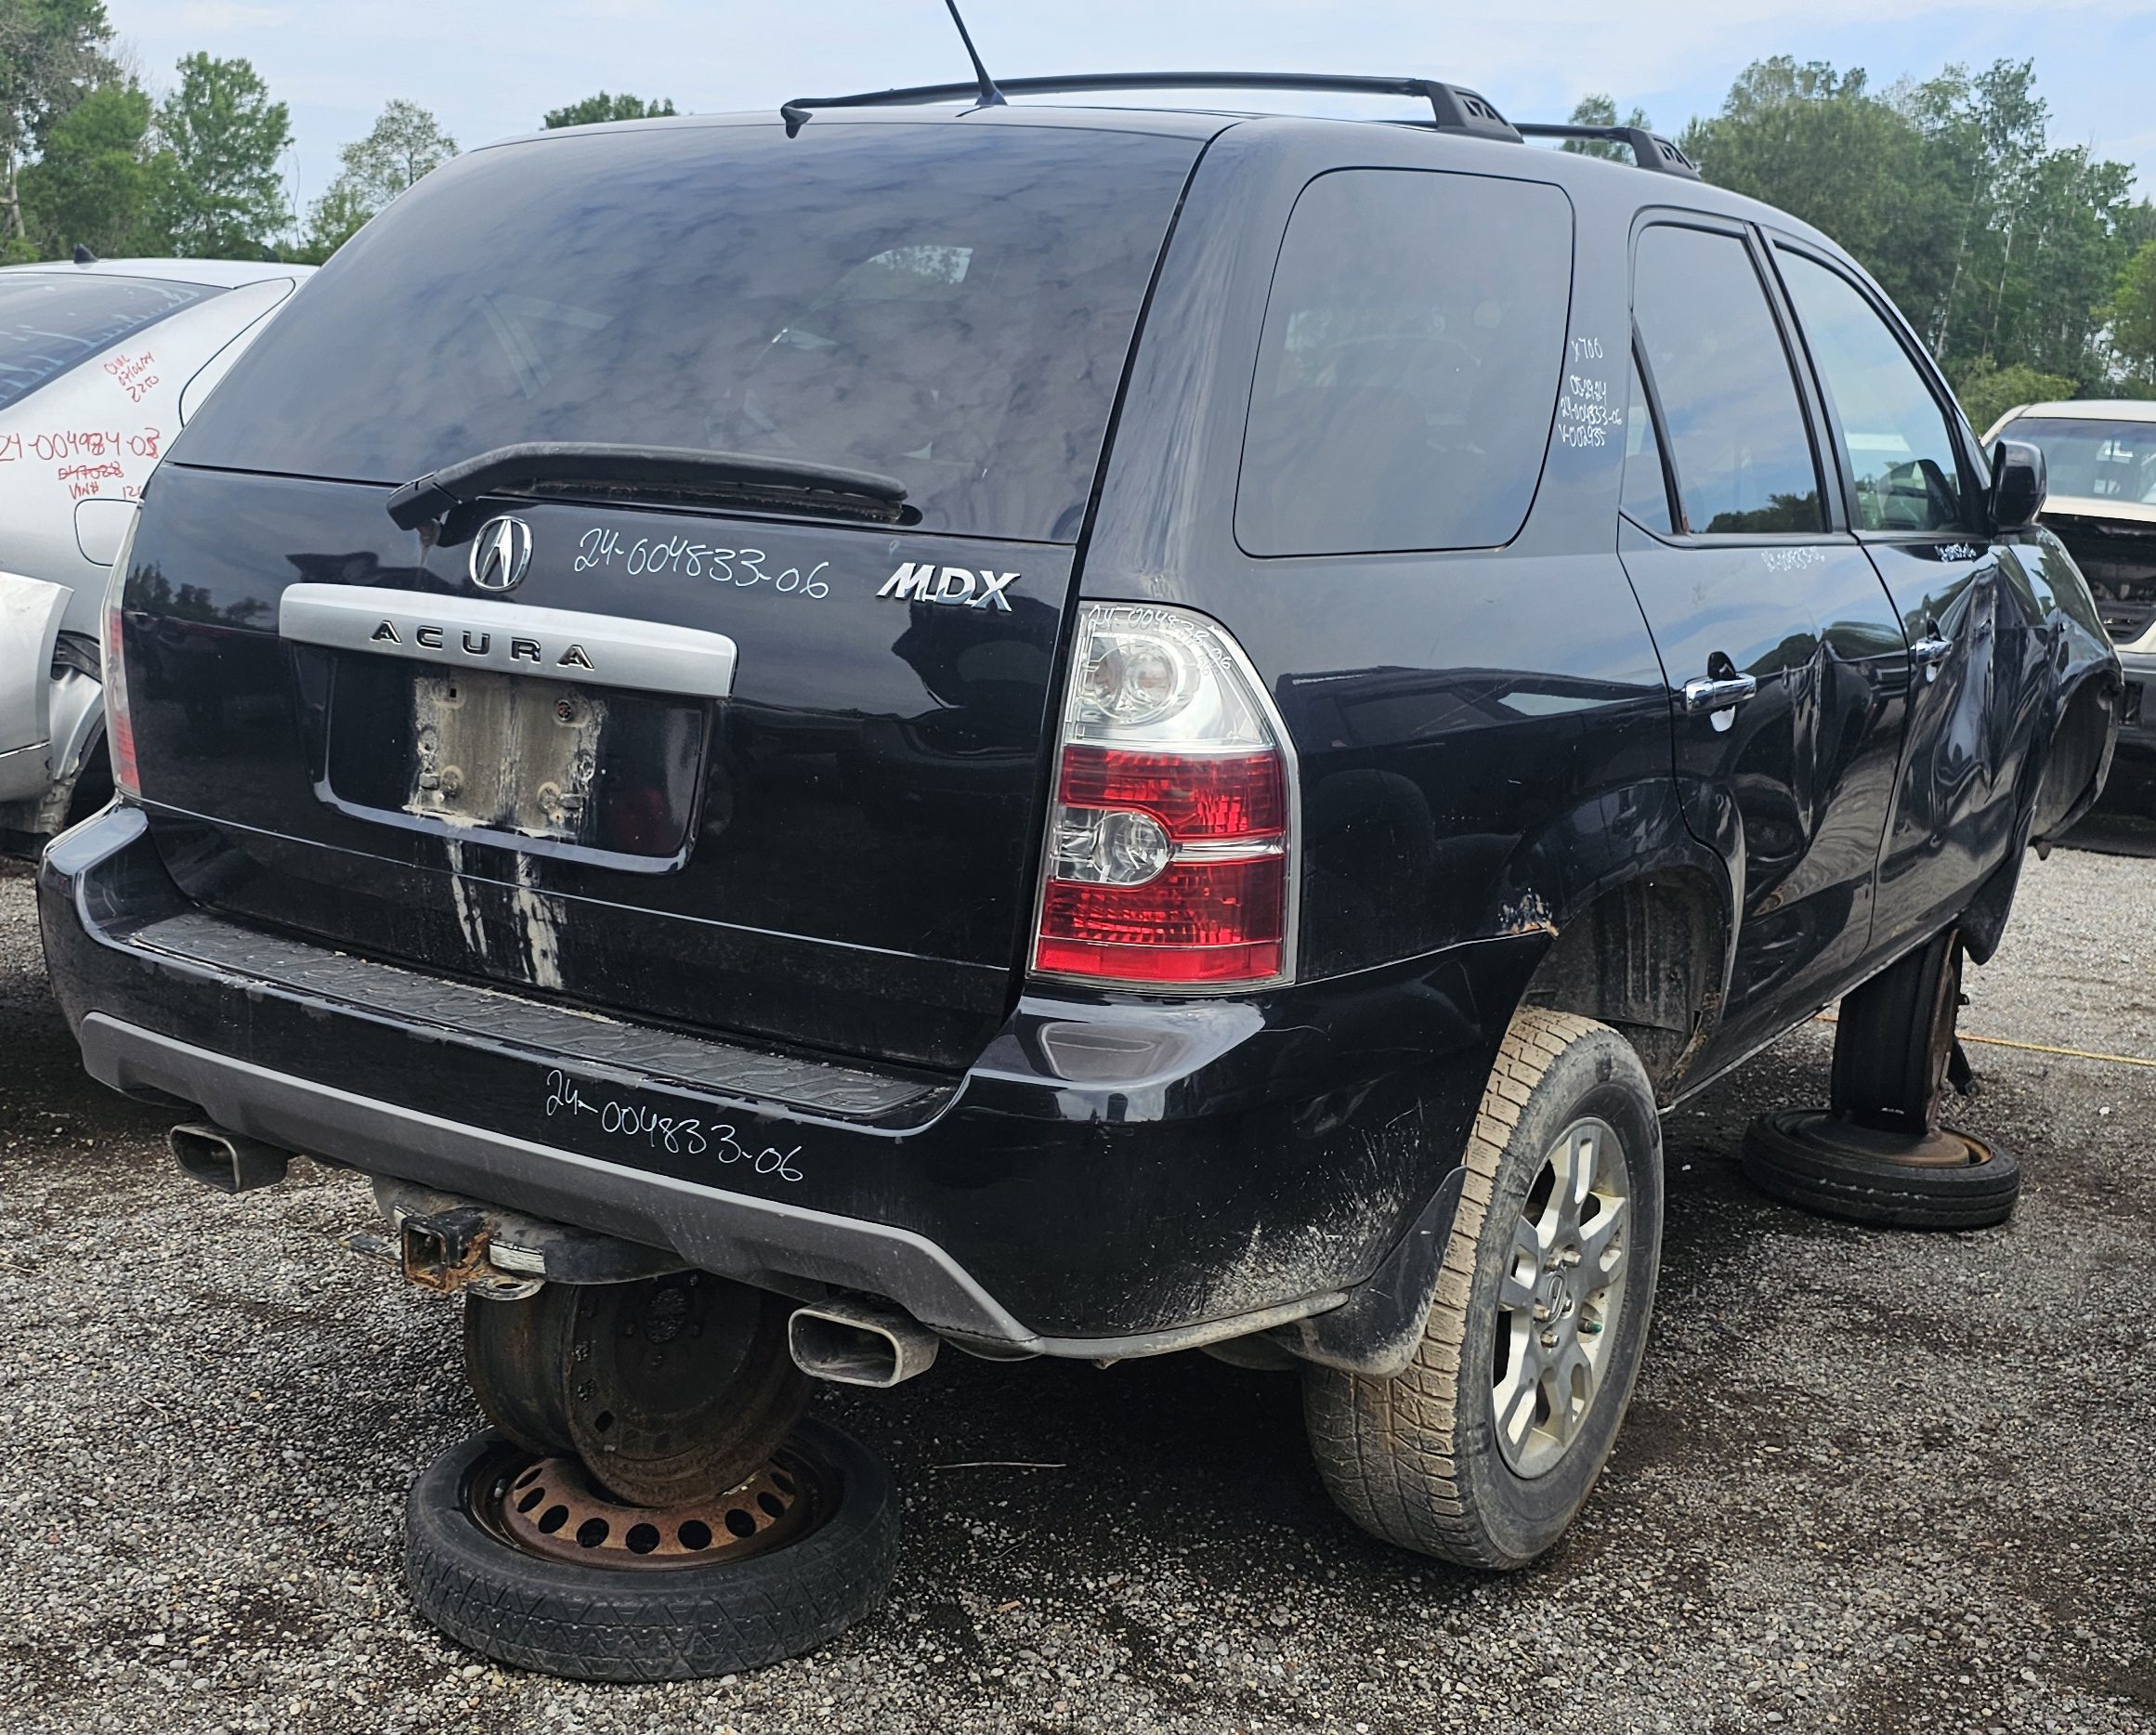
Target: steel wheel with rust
529	1562
671	1390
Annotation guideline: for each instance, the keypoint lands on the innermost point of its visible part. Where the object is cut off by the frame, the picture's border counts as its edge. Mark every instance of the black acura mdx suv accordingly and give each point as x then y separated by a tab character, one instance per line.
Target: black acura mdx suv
1060	730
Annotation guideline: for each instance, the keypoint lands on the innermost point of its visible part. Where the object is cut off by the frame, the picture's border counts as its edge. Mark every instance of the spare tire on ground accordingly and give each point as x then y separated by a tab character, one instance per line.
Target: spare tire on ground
1820	1162
574	1585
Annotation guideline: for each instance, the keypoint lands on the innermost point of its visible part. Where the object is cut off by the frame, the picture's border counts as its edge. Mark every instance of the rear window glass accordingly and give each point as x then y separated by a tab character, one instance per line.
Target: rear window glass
2093	460
50	322
1409	366
946	304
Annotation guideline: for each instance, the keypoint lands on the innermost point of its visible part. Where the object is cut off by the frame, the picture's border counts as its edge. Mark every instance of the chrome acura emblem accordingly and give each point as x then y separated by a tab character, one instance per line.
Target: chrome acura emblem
500	552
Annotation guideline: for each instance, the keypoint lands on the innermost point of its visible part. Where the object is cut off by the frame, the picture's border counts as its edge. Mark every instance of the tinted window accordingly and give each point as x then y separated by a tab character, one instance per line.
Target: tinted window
2093	460
1736	429
1409	365
1894	435
1646	498
948	305
50	322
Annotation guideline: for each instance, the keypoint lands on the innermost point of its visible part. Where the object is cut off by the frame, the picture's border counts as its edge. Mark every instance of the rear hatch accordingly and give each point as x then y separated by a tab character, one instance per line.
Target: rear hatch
703	751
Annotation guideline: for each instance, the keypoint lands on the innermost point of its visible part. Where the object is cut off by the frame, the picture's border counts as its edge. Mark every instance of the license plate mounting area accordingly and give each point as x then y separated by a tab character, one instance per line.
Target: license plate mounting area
506	754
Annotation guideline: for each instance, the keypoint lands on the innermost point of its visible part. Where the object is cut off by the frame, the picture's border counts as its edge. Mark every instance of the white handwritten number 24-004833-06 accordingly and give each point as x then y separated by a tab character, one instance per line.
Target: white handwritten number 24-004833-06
678	1135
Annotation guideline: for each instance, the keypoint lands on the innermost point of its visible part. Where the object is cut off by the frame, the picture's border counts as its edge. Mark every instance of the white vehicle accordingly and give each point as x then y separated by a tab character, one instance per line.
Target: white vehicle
2101	455
101	364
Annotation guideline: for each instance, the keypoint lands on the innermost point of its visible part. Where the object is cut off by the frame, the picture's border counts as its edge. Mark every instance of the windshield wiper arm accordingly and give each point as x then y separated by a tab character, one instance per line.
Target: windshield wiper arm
654	469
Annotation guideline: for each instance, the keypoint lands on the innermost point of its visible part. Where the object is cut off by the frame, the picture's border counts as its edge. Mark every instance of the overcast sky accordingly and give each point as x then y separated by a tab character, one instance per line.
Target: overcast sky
488	69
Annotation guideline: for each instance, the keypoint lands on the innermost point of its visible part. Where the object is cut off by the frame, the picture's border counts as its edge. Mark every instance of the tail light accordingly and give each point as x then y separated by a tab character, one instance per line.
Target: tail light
119	723
1171	858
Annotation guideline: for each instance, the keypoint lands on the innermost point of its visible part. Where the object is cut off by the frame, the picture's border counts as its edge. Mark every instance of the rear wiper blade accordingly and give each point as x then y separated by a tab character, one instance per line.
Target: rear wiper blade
663	470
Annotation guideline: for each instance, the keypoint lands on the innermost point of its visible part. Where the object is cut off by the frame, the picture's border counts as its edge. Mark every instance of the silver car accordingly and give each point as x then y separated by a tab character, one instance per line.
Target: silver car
100	365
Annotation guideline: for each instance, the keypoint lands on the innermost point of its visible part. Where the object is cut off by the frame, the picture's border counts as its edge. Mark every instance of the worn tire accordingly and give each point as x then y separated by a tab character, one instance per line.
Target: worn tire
1892	1038
594	1624
1800	1156
1414	1458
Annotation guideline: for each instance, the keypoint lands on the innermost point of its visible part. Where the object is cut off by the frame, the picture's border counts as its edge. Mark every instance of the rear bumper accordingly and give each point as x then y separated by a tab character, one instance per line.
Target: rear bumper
1106	1180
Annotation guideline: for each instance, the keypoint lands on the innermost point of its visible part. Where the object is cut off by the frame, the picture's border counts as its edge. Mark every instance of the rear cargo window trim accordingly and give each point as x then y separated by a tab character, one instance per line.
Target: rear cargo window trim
727	512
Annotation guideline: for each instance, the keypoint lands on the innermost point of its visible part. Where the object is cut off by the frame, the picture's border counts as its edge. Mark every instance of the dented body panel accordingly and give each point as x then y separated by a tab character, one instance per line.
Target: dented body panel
744	977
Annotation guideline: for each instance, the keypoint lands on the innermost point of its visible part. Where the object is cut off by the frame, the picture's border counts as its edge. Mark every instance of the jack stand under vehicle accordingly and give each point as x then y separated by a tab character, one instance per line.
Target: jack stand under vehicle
1881	1155
649	1505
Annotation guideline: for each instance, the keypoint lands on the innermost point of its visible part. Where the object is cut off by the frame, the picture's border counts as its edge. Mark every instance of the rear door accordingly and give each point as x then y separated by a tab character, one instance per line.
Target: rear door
1965	607
1782	654
835	843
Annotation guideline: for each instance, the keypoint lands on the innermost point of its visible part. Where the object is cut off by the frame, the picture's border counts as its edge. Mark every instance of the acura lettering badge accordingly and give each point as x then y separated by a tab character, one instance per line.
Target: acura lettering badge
500	552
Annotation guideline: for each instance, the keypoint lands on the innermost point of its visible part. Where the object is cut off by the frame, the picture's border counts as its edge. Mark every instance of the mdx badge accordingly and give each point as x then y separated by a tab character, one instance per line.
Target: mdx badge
954	585
500	552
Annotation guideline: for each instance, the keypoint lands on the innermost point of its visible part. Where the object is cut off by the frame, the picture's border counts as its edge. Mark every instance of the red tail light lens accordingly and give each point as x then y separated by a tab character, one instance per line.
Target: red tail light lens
1171	858
119	723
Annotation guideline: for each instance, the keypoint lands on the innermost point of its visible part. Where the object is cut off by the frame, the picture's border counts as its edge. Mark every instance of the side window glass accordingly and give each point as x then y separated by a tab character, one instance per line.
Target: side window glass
1409	366
1646	497
1737	427
1894	437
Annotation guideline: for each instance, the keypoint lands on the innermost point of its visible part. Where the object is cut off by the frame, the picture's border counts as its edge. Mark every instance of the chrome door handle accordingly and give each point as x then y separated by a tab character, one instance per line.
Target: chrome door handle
1721	694
1929	652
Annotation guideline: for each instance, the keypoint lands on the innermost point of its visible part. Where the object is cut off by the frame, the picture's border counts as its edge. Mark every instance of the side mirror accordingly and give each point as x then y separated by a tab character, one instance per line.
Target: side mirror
2019	482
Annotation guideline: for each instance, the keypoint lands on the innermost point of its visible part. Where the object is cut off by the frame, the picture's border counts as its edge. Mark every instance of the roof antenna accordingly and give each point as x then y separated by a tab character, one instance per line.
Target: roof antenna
990	96
83	255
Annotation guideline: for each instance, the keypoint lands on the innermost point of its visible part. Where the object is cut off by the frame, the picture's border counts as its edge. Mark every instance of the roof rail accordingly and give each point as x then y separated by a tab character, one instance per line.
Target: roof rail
1454	107
1649	151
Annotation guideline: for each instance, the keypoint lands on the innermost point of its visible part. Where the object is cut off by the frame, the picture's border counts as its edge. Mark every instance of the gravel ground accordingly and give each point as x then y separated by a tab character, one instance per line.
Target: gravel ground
1871	1483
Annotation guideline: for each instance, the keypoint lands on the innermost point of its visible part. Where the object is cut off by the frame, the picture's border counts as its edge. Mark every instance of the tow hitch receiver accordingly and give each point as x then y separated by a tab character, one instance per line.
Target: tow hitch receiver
447	1251
446	1243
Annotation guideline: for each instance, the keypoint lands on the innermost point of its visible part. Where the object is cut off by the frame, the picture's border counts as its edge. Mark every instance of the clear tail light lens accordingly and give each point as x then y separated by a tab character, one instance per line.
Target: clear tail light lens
1170	847
119	723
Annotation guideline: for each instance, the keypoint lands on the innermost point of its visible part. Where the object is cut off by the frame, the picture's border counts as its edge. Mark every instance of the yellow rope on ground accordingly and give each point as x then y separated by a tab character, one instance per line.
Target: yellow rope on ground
2035	1047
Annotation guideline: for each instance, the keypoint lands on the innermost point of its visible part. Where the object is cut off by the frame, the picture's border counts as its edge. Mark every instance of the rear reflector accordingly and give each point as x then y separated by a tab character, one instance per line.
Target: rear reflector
1171	857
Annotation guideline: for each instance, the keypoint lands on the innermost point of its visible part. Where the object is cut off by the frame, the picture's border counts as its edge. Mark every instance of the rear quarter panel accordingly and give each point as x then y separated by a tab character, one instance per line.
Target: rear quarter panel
1483	735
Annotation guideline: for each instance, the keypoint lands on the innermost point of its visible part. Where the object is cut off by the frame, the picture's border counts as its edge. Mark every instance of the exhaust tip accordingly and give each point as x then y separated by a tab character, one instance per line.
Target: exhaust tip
225	1160
853	1343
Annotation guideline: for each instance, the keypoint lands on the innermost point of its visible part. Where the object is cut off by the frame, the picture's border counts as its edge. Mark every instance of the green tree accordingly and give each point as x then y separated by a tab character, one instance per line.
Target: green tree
2132	318
1987	391
1819	144
592	109
218	137
94	183
1597	110
1999	248
51	52
405	143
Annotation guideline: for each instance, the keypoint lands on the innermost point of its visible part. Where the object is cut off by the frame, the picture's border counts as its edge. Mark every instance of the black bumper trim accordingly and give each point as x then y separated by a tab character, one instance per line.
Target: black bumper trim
729	1232
572	1037
759	1241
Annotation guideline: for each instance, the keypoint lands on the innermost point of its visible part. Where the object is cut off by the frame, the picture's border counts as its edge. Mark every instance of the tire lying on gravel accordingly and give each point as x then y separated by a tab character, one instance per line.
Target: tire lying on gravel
1484	1448
677	1622
1807	1158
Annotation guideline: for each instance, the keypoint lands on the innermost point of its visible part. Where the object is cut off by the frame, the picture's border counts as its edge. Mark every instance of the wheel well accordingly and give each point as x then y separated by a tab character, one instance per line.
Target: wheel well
1645	958
2076	756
